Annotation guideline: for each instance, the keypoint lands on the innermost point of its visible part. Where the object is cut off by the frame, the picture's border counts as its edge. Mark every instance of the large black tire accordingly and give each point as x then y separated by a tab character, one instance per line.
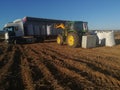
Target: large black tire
73	40
60	39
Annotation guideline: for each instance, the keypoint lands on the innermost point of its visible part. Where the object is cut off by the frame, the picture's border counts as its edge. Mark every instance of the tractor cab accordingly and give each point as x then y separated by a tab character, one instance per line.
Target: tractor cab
77	26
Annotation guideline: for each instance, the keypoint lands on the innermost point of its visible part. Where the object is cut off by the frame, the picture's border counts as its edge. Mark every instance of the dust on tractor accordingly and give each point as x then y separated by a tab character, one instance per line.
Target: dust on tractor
72	33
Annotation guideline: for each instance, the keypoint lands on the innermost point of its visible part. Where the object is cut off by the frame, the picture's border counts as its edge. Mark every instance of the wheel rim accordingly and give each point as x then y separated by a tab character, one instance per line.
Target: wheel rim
58	40
71	40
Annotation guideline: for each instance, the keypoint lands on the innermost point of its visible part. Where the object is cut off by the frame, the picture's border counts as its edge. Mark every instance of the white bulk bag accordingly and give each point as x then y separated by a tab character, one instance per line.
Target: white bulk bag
110	40
101	38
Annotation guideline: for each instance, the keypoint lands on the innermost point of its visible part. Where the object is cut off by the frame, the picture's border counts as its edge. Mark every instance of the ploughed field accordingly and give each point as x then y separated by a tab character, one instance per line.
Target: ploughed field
48	66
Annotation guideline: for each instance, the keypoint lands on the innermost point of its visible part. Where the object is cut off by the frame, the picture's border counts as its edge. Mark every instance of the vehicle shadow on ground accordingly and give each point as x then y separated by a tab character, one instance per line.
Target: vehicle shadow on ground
49	41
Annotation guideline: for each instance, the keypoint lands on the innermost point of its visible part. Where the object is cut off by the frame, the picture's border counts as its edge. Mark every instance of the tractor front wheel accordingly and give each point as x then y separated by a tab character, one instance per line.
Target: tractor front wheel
60	39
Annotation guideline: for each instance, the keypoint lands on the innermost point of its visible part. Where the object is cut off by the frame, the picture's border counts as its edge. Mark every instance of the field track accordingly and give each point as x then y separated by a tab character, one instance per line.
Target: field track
48	66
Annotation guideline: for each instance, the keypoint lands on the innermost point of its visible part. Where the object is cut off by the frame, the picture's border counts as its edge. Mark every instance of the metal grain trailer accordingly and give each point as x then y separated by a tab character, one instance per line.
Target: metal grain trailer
30	29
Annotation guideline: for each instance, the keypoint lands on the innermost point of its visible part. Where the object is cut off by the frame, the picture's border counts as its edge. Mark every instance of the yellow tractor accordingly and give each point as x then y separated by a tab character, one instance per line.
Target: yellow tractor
72	33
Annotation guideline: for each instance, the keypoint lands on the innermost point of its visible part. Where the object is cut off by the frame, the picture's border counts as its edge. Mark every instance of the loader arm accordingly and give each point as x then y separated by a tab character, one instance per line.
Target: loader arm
60	26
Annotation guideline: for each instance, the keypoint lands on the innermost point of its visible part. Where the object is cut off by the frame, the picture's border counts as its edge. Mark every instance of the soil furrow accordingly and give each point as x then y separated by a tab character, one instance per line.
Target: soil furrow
4	58
58	65
83	53
45	80
84	73
51	82
93	65
67	77
13	79
4	70
26	75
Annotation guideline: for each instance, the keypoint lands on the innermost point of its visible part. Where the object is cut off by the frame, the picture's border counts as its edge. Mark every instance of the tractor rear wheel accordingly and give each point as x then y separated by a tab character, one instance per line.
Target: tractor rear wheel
73	40
60	39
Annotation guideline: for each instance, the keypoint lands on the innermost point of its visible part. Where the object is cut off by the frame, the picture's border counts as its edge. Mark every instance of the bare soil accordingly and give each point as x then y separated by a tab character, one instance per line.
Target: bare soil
48	66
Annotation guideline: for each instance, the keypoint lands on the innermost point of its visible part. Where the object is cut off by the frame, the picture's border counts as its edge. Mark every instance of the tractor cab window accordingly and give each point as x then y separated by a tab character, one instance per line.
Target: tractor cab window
78	26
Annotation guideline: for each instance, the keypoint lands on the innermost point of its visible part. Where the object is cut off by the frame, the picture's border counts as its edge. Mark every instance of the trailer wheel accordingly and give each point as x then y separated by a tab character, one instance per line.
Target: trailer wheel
73	40
60	39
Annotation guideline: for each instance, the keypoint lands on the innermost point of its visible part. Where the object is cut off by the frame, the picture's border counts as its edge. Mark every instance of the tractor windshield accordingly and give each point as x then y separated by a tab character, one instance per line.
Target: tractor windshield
80	26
